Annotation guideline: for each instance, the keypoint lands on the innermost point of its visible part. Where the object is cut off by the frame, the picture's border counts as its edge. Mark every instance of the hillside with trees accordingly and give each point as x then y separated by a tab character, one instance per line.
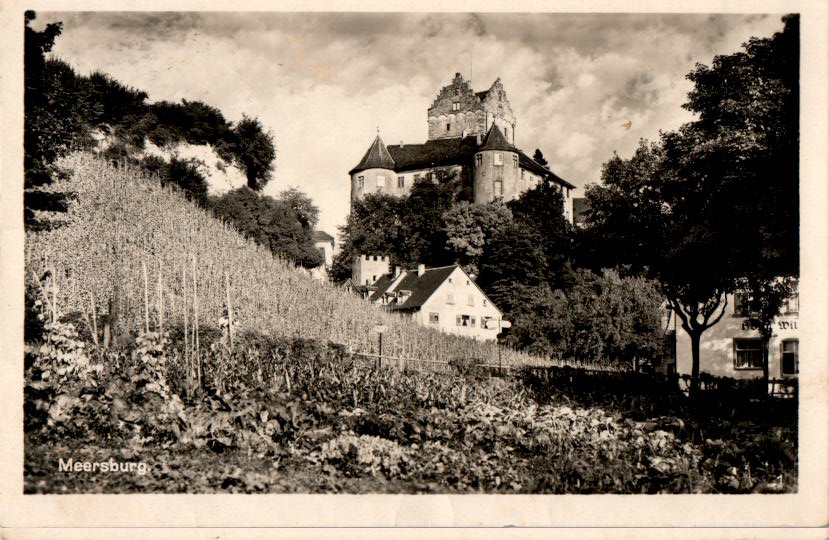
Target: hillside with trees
66	111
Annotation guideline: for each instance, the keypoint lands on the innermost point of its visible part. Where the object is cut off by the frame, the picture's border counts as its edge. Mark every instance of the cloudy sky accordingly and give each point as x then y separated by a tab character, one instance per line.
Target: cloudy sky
580	86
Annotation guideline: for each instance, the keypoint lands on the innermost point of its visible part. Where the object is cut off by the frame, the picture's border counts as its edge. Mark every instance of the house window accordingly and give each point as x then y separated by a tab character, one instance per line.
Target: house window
791	304
361	182
450	298
463	320
522	174
401	181
498	188
515	163
434	318
741	304
499	159
748	353
479	160
484	303
450	280
789	360
485	321
472	322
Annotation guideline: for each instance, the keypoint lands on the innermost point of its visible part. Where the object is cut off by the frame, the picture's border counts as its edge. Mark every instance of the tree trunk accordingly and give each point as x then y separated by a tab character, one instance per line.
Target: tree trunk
694	389
765	387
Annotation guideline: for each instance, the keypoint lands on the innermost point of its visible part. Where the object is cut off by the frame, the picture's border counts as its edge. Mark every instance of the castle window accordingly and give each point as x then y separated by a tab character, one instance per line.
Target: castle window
479	159
499	159
401	181
448	126
498	188
361	182
456	106
506	133
522	174
515	164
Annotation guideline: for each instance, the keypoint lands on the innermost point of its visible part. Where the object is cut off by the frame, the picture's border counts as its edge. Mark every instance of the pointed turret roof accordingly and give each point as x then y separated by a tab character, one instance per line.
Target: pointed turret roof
495	140
377	157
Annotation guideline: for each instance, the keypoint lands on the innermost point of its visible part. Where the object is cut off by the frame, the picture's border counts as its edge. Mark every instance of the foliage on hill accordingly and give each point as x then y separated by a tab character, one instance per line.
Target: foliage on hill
271	223
122	221
63	110
522	252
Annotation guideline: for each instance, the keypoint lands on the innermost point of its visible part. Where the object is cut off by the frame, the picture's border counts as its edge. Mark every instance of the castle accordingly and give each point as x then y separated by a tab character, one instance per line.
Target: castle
471	134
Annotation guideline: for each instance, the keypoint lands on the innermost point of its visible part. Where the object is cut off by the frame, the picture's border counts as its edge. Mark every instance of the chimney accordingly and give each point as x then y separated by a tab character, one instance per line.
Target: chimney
421	269
478	139
396	271
472	277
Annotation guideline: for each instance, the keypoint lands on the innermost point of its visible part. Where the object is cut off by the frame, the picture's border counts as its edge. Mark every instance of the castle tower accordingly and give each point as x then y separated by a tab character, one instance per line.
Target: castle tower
374	173
496	169
458	110
366	269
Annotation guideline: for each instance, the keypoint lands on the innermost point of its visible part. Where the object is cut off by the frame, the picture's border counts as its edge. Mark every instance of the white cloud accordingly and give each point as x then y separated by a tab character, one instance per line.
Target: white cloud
324	82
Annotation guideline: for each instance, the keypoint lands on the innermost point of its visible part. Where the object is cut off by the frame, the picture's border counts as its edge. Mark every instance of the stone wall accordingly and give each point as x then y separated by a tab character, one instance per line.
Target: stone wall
458	110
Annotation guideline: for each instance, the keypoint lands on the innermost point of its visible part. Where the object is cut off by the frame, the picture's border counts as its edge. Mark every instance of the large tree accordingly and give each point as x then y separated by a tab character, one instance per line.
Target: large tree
253	150
469	227
269	222
716	202
749	110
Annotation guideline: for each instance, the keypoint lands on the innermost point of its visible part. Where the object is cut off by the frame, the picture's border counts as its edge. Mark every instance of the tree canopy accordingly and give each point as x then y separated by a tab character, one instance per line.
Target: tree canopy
716	201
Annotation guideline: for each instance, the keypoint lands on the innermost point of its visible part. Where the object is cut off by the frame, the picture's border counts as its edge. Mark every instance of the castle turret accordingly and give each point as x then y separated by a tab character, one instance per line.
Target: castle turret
366	269
374	173
495	169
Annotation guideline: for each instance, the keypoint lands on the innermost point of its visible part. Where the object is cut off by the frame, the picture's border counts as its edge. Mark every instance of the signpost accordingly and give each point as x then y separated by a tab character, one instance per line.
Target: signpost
380	328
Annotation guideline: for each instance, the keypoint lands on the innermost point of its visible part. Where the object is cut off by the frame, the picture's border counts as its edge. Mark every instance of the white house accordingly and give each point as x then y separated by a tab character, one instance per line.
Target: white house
731	349
444	298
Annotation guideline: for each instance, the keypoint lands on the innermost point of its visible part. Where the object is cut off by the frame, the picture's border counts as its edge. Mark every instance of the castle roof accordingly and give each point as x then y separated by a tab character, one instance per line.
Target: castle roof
495	140
376	157
433	153
456	151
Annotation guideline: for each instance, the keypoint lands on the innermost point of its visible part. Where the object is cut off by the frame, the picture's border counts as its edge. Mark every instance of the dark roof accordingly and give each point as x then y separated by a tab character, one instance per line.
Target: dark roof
420	287
446	152
376	157
495	140
580	208
380	286
424	286
532	165
322	236
433	153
